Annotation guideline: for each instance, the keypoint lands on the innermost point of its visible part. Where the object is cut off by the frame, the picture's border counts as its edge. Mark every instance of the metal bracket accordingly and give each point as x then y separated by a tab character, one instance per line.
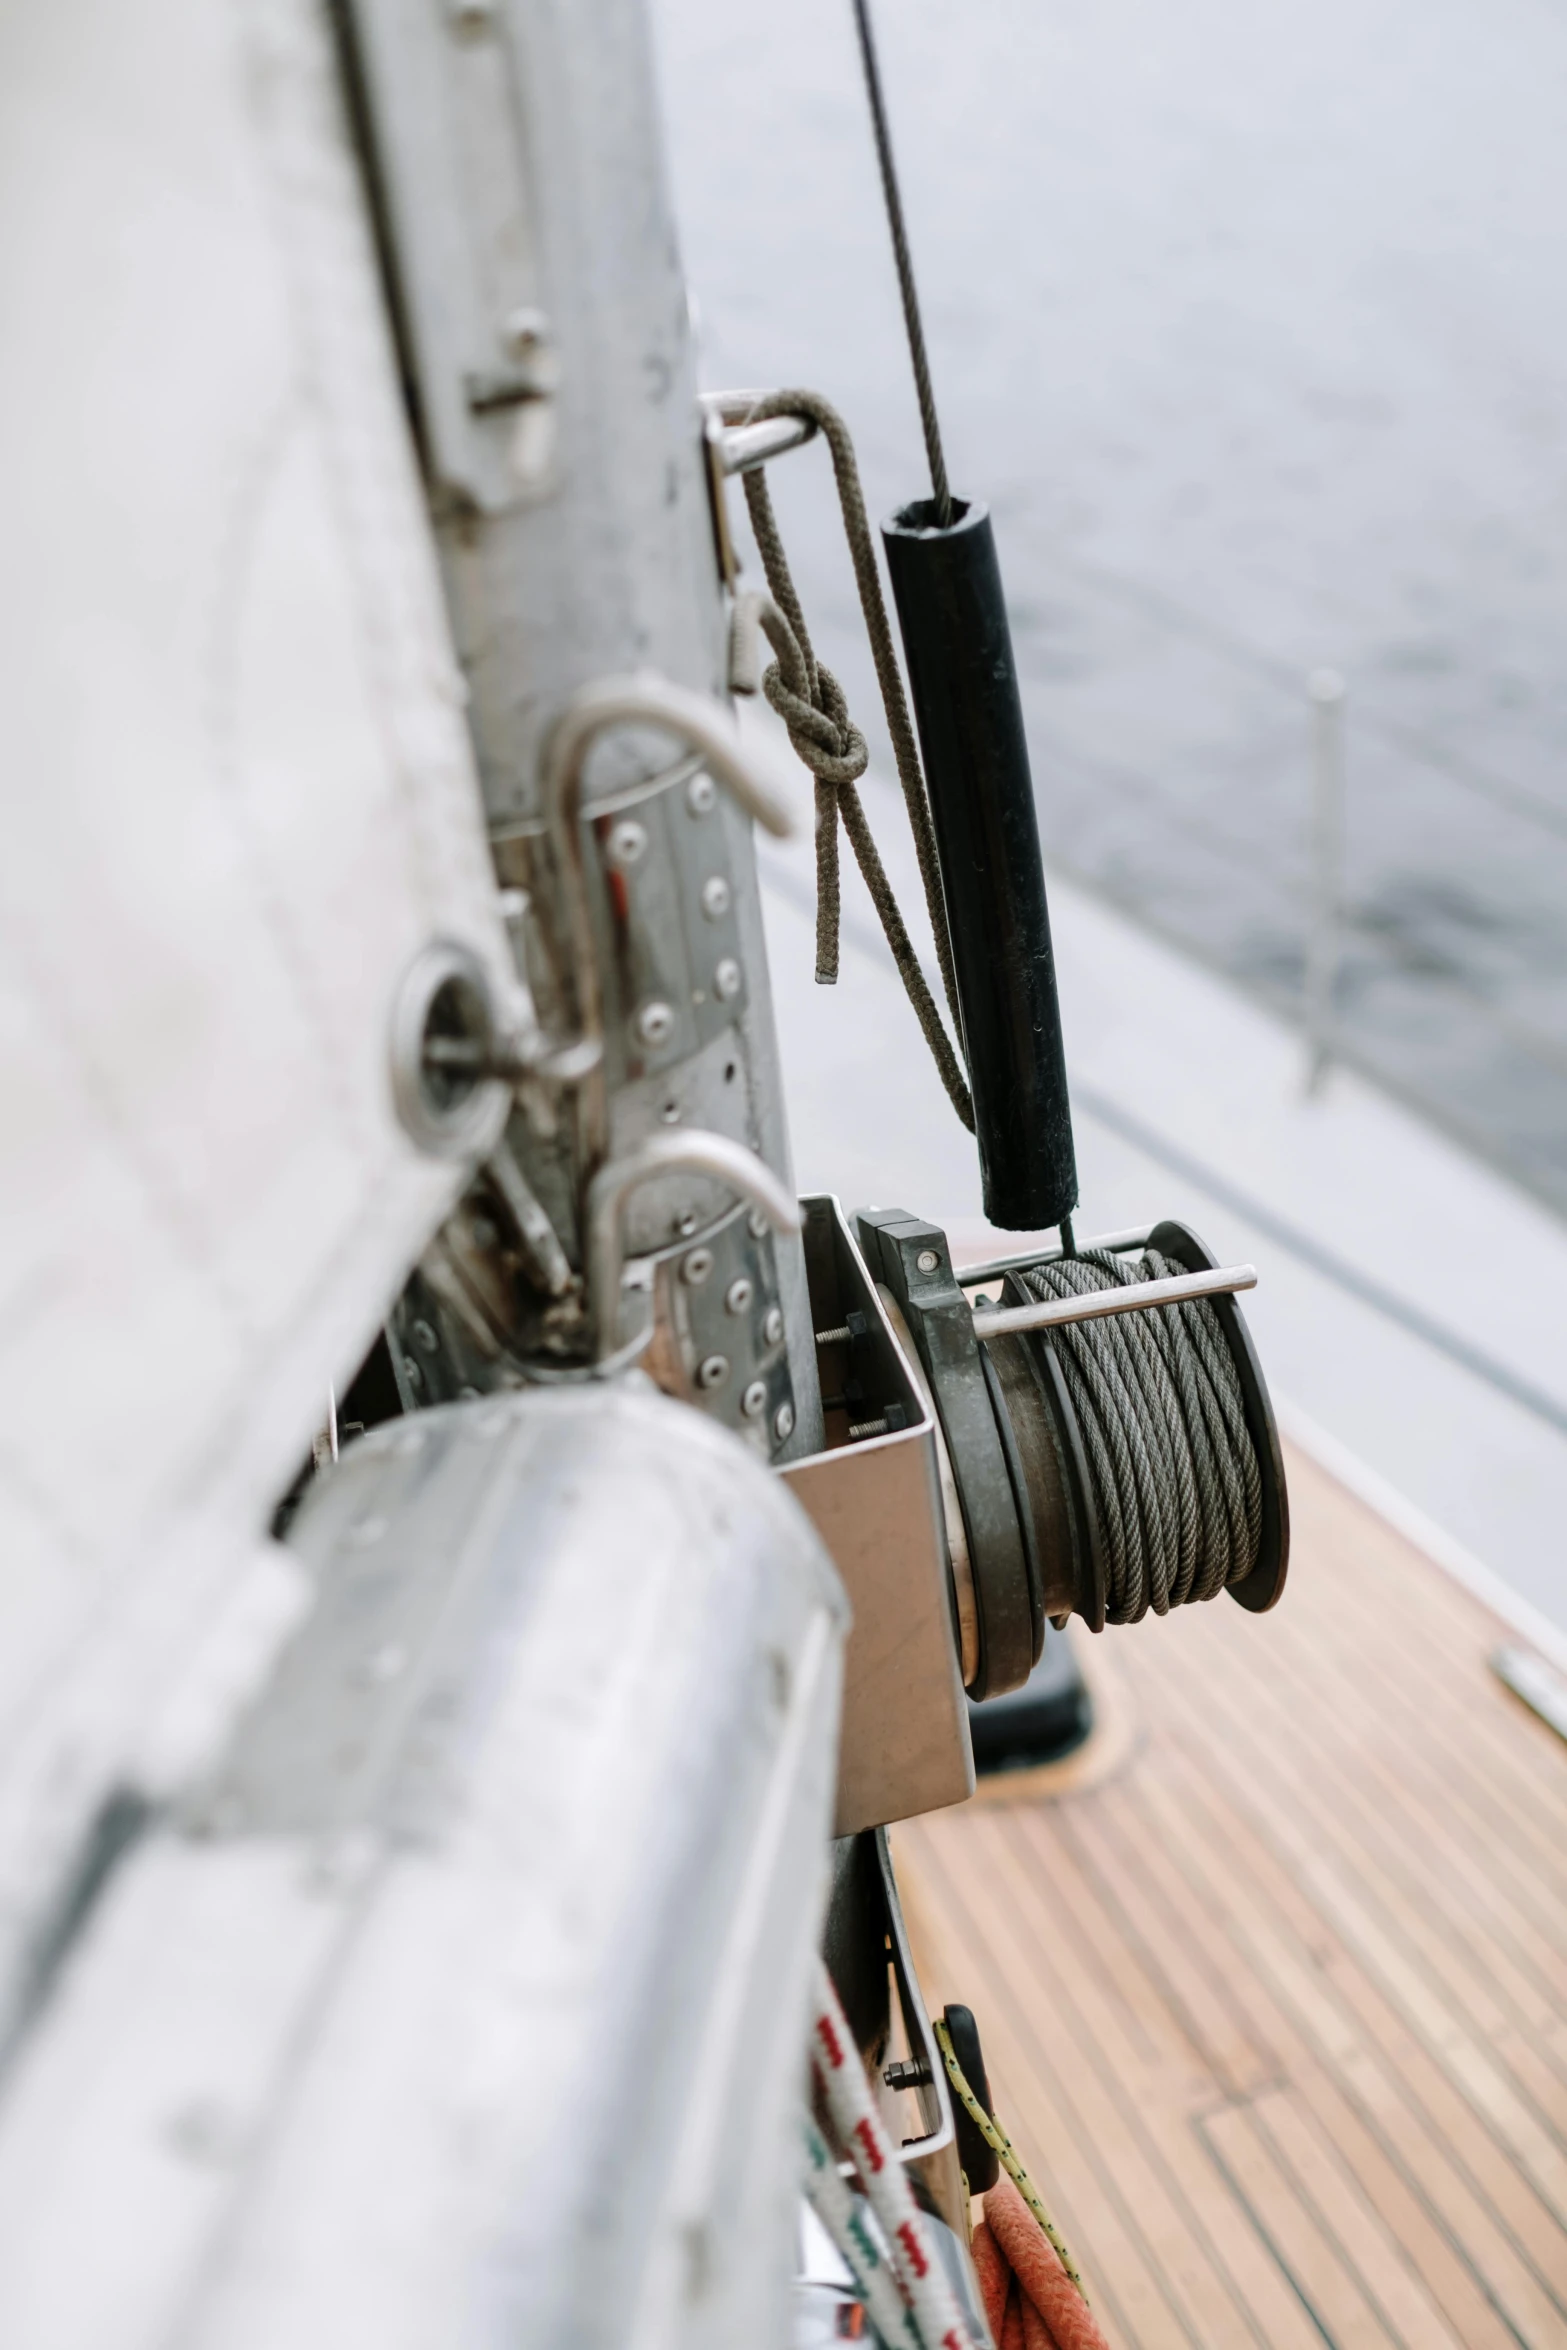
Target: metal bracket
912	1257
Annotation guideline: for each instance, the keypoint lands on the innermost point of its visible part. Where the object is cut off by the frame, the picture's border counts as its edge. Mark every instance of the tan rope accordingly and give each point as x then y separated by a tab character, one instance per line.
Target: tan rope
810	701
1001	2146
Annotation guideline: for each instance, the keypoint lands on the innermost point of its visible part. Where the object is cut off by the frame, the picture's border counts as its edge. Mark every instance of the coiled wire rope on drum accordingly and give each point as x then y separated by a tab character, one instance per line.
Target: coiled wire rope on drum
1173	1476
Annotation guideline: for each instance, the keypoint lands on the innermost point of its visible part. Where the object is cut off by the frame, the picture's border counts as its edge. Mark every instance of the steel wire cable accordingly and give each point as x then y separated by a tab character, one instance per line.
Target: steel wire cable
941	494
1174	1480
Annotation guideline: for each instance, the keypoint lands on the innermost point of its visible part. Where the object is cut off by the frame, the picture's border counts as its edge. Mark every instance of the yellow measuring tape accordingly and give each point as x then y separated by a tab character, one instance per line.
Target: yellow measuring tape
1001	2146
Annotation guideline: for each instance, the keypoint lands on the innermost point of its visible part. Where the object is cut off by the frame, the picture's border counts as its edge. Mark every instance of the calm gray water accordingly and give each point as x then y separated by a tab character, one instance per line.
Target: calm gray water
1251	325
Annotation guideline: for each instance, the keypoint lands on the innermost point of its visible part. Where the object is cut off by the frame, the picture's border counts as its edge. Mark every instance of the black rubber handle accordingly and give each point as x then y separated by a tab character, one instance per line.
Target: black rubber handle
958	647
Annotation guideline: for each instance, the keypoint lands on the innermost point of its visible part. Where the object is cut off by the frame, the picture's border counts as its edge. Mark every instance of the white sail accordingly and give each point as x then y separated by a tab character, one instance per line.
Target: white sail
238	798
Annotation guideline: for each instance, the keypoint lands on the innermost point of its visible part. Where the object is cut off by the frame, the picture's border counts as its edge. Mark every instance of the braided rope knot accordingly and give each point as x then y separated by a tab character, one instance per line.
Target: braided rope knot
822	732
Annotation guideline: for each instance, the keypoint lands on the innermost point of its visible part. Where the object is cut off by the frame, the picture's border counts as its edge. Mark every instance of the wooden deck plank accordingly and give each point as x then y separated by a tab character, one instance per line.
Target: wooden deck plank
1278	2004
1344	1862
1421	2111
1261	1991
1385	1791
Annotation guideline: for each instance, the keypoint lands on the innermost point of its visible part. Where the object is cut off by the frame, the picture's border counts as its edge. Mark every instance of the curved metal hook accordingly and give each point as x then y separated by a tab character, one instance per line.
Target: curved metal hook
747	774
666	1154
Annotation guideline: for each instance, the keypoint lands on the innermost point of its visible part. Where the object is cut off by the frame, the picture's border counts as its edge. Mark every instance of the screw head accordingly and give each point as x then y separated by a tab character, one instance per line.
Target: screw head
738	1295
772	1328
783	1420
655	1024
726	979
712	1372
715	897
701	794
754	1401
927	1260
627	842
696	1266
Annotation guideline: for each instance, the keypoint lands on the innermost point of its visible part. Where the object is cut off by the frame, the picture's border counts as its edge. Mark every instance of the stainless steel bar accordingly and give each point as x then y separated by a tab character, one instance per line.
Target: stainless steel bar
1327	693
665	1154
1100	1303
741	446
972	1276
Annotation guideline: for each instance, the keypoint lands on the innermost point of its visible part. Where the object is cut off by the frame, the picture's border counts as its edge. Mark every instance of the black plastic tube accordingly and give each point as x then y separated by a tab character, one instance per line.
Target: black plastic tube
958	648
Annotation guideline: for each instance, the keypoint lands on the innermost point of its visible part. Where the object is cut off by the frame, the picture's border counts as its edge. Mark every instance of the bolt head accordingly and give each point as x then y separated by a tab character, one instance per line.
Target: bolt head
738	1295
715	897
655	1024
927	1260
712	1372
696	1266
627	843
726	979
754	1401
783	1420
701	795
772	1328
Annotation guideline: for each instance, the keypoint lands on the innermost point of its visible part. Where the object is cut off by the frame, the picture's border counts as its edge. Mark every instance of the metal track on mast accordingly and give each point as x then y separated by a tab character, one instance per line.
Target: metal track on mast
515	154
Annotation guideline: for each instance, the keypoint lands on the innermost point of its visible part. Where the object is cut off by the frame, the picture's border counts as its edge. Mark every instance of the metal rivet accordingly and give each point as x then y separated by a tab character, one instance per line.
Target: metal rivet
772	1328
727	978
701	792
696	1267
655	1024
756	1223
670	1113
738	1295
754	1401
783	1421
412	1372
713	1371
685	1225
424	1336
627	843
715	897
525	332
927	1260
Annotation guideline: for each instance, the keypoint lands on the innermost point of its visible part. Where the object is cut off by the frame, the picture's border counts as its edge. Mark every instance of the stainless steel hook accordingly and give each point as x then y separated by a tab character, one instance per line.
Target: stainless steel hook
611	1189
752	779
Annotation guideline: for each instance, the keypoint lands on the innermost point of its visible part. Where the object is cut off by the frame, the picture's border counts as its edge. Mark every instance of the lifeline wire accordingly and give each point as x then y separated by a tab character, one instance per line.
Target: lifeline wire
1173	1473
941	494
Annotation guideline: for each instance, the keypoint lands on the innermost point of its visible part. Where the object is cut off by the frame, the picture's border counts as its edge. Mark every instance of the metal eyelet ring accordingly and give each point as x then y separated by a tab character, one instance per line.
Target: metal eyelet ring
444	1043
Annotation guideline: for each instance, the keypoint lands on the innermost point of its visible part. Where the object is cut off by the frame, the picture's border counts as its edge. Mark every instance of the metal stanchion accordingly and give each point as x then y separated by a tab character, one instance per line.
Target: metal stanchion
1327	691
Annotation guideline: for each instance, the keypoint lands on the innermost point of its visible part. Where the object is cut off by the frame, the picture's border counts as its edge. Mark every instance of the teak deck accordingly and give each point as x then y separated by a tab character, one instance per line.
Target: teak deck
1273	1988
